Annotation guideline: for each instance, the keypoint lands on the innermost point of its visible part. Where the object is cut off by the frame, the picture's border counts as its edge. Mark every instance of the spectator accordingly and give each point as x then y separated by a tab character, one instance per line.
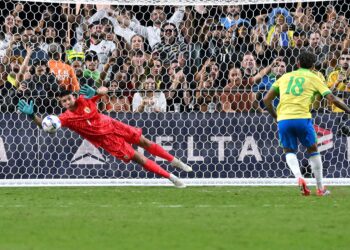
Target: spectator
279	33
326	32
99	44
236	98
176	88
340	28
42	85
138	42
251	74
263	53
80	22
318	48
110	36
156	70
291	54
220	47
277	70
213	41
64	73
15	66
242	39
7	90
91	63
339	80
149	100
137	69
206	97
28	37
346	42
6	32
158	17
232	17
5	44
304	19
299	40
260	30
15	78
112	14
170	46
78	67
184	64
209	72
116	101
49	35
122	76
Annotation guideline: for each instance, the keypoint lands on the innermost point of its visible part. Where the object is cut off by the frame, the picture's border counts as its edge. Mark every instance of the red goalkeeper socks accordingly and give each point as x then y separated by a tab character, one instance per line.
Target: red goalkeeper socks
157	150
155	168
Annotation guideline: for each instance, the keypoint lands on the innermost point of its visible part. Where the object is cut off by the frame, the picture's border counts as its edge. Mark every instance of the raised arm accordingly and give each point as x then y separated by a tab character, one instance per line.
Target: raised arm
24	66
138	28
178	16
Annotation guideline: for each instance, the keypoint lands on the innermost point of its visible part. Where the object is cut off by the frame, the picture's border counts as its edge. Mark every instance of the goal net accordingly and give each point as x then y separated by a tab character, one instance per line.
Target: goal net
191	76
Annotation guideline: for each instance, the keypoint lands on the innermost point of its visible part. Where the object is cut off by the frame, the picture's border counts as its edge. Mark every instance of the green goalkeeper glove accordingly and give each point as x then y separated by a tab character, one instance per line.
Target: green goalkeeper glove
87	91
26	108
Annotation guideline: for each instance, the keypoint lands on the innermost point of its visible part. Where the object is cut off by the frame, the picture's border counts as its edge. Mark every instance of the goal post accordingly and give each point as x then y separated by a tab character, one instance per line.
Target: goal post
213	121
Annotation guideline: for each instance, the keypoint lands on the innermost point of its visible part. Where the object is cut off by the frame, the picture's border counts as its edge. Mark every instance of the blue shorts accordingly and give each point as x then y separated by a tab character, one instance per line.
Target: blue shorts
290	131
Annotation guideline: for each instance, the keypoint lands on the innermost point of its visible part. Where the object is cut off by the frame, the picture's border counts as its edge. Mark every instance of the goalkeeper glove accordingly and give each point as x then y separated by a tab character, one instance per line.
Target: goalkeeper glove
87	91
26	108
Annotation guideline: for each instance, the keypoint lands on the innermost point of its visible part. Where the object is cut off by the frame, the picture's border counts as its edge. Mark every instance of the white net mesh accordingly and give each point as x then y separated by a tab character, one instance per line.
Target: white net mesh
192	77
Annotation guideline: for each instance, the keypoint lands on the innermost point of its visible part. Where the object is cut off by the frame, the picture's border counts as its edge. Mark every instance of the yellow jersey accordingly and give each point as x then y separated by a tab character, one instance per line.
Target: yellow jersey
342	86
297	90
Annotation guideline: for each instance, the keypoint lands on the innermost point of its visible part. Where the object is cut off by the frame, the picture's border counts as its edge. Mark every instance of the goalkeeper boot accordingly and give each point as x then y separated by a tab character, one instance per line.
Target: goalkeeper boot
303	187
323	192
179	164
176	181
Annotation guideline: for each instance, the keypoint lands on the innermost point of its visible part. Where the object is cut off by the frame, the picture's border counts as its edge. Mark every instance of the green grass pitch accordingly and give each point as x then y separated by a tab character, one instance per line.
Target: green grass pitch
168	218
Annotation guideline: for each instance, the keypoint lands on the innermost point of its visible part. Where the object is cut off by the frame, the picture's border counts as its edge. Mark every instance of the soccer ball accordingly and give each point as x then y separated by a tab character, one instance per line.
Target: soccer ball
51	124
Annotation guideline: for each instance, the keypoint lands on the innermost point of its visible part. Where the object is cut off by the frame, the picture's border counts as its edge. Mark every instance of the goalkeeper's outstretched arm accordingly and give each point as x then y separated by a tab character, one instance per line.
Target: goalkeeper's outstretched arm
28	109
90	92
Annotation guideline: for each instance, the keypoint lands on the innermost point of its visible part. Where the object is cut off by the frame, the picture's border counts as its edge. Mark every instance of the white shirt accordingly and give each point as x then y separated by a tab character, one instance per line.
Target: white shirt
152	33
104	50
79	31
159	102
126	33
44	46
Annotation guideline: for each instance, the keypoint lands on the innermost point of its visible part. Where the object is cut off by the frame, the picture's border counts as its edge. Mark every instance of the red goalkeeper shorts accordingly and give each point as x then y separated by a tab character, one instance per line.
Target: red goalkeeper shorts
119	144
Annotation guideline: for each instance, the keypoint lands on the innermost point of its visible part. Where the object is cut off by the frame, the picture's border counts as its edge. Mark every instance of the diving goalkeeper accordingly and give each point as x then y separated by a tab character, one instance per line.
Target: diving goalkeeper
102	131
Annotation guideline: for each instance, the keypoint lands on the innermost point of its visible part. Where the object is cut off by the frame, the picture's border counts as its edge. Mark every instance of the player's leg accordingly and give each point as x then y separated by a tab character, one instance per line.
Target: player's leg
309	139
134	135
157	150
315	162
293	164
288	140
118	147
155	168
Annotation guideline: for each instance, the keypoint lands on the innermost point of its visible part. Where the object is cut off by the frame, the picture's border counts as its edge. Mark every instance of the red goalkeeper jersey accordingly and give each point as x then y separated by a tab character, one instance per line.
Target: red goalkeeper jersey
87	121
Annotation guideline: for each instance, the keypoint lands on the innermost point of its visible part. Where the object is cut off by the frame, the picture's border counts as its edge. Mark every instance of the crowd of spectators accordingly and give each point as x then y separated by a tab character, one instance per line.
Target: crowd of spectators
167	59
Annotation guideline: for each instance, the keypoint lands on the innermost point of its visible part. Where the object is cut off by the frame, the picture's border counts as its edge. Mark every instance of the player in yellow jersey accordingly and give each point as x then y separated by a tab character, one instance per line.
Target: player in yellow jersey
296	91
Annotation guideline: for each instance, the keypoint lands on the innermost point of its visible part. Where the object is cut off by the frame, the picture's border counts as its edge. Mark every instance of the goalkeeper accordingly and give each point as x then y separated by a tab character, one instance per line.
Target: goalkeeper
115	137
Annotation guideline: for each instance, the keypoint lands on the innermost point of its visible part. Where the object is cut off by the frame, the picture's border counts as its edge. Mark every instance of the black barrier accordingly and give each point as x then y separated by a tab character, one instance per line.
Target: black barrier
216	145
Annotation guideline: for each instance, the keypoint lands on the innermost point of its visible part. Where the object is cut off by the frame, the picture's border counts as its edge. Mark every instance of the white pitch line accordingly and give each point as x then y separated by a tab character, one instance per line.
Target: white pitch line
170	206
